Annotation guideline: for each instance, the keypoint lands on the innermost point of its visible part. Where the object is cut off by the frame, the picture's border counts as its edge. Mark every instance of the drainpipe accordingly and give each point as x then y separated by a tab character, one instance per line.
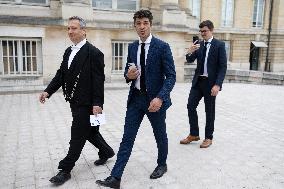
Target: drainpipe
267	62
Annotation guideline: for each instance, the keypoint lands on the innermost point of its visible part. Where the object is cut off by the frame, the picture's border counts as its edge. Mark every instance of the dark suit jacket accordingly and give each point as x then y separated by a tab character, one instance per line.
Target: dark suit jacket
216	63
160	75
89	64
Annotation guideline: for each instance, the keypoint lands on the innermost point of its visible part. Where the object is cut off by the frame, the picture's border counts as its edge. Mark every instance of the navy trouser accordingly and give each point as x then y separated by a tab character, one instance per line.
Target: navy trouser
136	110
202	89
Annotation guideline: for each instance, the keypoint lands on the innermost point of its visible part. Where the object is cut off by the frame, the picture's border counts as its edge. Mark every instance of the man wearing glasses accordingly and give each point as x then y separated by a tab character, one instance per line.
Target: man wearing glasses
207	81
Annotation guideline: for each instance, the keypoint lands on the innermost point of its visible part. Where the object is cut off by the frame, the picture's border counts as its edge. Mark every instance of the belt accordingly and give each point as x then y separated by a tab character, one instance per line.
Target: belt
202	77
139	92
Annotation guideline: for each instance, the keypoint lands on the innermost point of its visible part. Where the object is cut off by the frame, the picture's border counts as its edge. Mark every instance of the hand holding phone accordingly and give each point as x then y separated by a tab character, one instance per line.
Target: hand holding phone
195	39
195	44
131	65
133	72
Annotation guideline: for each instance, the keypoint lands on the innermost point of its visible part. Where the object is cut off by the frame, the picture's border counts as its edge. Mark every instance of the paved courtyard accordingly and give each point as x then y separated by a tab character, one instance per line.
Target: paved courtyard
247	151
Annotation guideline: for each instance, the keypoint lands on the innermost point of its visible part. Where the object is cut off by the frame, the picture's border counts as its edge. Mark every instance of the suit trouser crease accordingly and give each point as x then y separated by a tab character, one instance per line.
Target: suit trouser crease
81	130
201	89
136	110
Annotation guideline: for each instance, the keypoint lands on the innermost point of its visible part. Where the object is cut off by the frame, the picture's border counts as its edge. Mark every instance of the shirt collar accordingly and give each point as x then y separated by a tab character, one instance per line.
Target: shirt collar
79	45
148	40
209	40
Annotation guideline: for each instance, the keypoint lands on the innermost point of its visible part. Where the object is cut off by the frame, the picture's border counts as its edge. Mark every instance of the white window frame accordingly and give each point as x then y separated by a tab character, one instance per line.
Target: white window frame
259	13
228	49
119	61
195	7
114	6
25	3
227	13
21	57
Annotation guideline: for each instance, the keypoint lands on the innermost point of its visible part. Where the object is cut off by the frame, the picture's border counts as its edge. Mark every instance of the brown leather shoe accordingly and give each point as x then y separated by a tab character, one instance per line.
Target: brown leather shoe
189	139
206	143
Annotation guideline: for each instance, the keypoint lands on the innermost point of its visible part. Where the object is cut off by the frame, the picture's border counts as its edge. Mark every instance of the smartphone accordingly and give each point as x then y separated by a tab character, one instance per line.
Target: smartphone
195	39
131	65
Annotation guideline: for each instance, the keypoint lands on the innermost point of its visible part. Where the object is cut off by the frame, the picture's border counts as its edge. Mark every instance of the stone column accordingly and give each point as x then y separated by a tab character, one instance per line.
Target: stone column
155	4
82	8
172	14
144	4
185	5
170	4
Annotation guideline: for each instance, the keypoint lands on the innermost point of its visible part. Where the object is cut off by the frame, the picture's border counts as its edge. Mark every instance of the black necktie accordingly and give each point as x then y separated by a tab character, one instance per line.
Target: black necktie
142	64
203	58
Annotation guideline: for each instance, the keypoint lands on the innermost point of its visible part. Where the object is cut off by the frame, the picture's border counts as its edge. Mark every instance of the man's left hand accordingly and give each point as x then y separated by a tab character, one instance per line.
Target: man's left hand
155	105
97	110
215	89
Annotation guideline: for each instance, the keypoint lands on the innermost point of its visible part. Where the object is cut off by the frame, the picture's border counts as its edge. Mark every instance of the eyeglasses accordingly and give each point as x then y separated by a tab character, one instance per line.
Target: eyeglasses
203	31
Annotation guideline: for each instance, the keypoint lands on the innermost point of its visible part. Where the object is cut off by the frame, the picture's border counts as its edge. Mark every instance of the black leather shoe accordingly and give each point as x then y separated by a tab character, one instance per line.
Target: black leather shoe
103	160
110	182
158	172
60	178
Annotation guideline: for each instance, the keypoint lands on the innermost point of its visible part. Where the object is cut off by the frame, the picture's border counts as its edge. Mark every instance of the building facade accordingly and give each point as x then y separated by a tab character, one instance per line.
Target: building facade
33	34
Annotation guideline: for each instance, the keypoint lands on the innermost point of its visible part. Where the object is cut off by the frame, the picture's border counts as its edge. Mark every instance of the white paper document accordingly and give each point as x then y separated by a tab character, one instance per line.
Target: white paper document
100	119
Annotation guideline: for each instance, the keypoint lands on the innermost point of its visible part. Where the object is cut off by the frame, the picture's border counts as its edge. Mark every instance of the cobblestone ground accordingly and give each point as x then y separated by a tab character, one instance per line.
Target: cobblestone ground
247	151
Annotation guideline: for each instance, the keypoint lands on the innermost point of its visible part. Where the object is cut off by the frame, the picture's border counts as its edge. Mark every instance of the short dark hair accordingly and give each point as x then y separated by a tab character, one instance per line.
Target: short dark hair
207	23
81	21
143	14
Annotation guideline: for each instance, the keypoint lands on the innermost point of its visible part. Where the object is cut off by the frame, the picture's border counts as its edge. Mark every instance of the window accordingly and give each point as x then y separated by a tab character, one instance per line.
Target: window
103	4
195	5
116	4
258	12
34	2
20	57
119	56
228	49
227	13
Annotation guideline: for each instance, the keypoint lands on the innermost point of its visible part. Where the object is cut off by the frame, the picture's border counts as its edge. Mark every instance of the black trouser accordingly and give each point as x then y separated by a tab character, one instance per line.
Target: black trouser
81	130
202	89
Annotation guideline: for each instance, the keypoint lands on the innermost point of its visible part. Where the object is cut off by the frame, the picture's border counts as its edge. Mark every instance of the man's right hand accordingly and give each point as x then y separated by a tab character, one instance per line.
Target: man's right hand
193	47
132	73
42	97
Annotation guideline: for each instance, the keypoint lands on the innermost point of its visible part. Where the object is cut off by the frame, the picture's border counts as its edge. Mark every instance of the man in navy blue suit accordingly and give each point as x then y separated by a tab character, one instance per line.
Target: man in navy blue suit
150	68
207	81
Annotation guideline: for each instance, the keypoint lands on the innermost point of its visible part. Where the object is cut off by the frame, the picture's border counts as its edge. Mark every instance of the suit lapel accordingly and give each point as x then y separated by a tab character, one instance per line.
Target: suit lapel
79	58
150	52
135	49
202	49
212	46
77	63
65	59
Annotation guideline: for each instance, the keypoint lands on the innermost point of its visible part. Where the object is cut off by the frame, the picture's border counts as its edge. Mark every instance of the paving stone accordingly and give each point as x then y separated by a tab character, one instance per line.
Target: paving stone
247	150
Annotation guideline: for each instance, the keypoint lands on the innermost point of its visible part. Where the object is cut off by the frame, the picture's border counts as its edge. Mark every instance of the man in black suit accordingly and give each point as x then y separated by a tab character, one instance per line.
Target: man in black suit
81	76
207	81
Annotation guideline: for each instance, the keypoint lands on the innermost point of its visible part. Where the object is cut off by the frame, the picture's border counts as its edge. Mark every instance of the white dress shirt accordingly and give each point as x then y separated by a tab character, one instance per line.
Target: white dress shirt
205	73
147	45
75	49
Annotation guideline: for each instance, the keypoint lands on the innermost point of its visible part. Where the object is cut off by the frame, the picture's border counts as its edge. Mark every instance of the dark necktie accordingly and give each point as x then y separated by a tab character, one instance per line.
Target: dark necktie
203	58
142	64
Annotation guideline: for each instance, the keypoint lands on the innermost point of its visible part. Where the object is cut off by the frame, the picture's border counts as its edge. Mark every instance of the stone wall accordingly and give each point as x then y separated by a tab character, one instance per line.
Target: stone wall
242	76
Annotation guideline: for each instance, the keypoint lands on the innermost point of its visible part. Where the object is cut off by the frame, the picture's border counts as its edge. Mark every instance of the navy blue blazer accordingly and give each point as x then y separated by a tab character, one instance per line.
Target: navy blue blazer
160	74
216	63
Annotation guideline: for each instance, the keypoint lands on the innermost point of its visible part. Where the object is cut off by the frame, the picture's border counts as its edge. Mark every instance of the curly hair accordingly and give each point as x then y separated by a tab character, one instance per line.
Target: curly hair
143	14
